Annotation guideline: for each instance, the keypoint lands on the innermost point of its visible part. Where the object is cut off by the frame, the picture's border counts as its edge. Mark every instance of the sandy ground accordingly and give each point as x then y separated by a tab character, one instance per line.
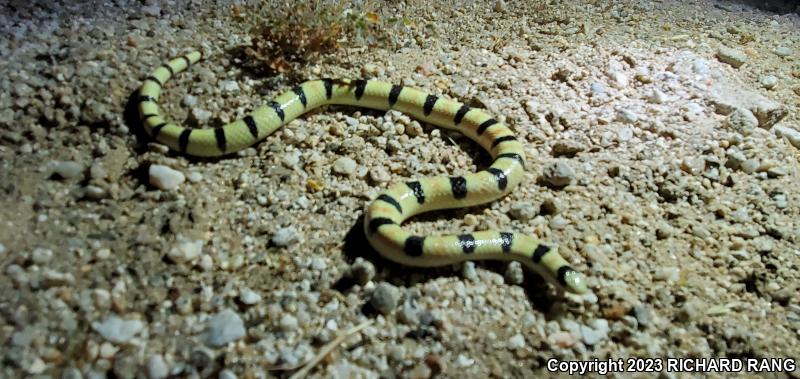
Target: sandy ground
674	125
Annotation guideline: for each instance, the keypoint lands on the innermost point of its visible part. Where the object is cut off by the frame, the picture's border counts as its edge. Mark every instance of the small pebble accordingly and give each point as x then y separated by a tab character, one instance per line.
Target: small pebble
768	81
733	57
408	314
750	166
742	121
41	256
194	176
562	339
657	97
592	336
514	273
379	175
228	86
156	367
627	116
117	330
691	310
468	270
94	192
226	326
344	166
152	10
568	148
516	342
643	315
669	274
73	373
558	174
288	323
200	116
67	169
362	271
190	100
226	374
185	250
552	206
285	236
165	178
523	211
248	296
384	298
782	51
792	135
734	158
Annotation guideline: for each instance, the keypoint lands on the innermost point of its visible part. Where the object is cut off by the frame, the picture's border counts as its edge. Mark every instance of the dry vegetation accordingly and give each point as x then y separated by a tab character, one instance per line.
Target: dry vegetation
288	36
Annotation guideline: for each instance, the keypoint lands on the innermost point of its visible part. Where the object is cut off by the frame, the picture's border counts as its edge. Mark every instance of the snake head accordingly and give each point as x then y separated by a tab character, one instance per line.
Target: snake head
575	282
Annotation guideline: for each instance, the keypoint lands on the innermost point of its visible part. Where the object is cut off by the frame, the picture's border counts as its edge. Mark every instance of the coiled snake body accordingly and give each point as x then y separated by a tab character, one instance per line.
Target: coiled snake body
400	201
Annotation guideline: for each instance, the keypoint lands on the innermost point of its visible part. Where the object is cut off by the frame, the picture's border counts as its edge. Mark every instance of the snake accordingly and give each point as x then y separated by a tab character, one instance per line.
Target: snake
400	201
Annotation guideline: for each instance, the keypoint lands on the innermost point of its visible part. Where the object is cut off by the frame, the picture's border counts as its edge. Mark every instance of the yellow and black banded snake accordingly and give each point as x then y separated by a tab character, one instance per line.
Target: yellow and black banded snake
401	201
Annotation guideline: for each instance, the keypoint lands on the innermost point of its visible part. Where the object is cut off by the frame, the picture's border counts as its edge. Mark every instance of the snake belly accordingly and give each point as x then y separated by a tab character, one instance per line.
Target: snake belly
401	201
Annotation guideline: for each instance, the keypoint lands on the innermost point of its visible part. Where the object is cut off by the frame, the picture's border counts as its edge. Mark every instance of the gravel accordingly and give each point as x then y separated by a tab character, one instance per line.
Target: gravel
558	174
384	298
165	178
733	57
223	328
742	121
67	169
118	330
285	236
644	165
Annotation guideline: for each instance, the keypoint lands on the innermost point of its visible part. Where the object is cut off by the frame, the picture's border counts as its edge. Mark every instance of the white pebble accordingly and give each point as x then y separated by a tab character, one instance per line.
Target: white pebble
165	178
41	256
750	166
768	81
625	133
464	361
185	250
152	10
344	166
156	367
206	263
657	97
118	330
200	115
107	350
516	342
592	336
670	274
67	169
190	100
226	374
558	174
783	51
790	134
285	236
288	322
627	116
733	57
194	176
384	298
742	121
228	85
248	296
226	326
468	270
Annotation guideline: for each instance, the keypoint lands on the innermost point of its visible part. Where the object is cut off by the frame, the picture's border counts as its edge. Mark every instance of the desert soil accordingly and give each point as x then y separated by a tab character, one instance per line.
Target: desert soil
663	146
